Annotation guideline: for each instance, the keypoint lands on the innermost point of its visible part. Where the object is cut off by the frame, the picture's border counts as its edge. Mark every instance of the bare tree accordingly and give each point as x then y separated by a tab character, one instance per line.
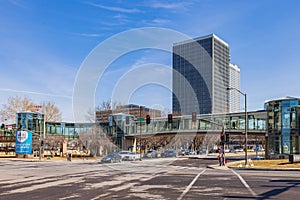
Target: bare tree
18	104
97	141
198	141
54	141
15	105
101	112
210	141
51	112
90	116
107	105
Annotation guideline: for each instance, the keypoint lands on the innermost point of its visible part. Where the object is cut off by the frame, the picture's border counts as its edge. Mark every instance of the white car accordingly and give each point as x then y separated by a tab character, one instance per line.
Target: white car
238	150
227	150
127	155
124	153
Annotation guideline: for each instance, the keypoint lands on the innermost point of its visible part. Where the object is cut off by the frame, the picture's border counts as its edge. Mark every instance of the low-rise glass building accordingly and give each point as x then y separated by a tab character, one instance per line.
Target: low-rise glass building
283	127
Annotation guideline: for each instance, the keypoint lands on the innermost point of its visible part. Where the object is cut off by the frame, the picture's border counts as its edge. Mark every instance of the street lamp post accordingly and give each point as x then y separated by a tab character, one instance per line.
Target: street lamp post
246	123
40	141
140	133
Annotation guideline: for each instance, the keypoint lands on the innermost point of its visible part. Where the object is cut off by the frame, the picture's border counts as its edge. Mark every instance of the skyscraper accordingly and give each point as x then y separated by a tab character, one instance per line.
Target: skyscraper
201	76
234	81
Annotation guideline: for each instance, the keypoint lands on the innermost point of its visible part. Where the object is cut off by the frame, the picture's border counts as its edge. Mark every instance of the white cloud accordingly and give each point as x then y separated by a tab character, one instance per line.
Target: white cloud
88	34
18	3
6	90
161	21
116	9
156	22
171	6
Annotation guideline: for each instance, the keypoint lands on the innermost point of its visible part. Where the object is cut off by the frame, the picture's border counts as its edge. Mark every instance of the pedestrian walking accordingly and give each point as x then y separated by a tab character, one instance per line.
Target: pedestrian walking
69	157
222	163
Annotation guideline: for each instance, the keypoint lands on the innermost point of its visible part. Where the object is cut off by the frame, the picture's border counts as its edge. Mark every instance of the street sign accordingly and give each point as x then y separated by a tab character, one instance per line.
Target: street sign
111	118
141	119
23	142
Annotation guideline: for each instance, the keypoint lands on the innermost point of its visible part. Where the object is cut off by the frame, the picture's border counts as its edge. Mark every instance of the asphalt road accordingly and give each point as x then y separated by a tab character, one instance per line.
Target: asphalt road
148	179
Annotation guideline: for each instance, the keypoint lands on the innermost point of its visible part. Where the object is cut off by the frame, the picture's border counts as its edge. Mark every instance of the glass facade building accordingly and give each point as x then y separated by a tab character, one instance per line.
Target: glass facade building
283	126
122	129
234	82
201	76
30	121
68	130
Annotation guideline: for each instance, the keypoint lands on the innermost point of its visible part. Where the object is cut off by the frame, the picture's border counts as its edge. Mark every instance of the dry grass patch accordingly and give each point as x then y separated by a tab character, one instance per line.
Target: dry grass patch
279	164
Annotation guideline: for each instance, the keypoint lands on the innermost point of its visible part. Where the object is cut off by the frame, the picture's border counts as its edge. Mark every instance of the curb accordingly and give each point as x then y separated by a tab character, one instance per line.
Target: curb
261	169
265	169
217	167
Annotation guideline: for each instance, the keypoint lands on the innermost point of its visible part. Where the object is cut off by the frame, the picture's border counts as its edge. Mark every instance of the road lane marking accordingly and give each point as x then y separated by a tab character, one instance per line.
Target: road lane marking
245	183
187	189
44	185
69	197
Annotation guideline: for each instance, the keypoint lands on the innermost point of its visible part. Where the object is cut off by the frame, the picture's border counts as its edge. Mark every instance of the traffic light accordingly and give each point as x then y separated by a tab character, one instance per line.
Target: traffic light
227	137
42	143
148	119
170	118
222	138
194	116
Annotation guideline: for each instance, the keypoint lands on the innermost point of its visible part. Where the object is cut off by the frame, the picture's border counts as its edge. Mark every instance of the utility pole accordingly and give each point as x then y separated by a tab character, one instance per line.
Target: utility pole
140	133
246	123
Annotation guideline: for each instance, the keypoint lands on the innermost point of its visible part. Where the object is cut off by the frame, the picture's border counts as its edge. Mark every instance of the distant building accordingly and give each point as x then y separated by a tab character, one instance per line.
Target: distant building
201	76
234	81
134	110
129	109
102	116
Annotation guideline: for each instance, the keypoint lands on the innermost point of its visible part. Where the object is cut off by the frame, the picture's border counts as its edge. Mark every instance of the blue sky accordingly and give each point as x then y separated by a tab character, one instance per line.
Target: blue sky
43	44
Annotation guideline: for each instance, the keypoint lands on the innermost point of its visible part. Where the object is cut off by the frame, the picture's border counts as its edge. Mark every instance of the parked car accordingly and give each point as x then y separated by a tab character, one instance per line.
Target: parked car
213	151
151	154
124	153
261	149
111	158
131	156
192	152
184	152
238	150
202	151
227	150
169	153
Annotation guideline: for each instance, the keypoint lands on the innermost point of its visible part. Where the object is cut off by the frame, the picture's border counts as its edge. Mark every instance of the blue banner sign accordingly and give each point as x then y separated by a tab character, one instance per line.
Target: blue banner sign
24	142
111	119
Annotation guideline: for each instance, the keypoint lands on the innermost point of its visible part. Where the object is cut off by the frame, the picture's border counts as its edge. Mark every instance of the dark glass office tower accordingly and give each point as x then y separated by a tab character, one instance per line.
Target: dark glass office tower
201	76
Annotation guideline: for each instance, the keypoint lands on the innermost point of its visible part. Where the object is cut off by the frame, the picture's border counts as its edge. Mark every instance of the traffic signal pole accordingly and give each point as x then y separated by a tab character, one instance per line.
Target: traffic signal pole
223	140
170	121
222	136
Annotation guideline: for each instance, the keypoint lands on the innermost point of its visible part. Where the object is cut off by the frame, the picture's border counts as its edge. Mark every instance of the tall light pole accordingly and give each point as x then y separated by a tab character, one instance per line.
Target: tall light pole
40	141
140	133
246	123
